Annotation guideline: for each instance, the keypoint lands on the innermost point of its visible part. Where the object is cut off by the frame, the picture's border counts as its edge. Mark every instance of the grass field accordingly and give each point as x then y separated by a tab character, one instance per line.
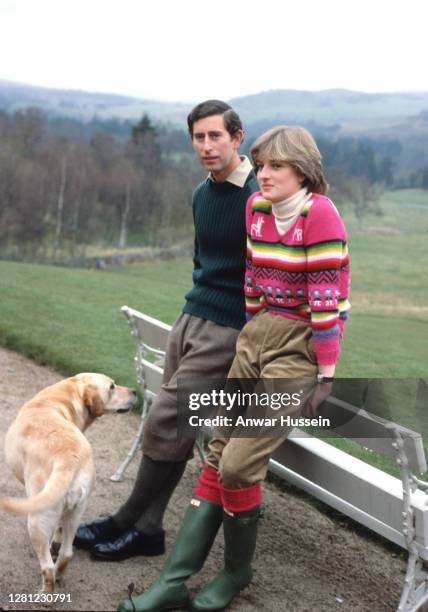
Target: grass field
70	318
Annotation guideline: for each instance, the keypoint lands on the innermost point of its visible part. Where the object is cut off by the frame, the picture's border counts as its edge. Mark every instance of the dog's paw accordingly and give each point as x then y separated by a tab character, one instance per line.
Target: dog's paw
59	580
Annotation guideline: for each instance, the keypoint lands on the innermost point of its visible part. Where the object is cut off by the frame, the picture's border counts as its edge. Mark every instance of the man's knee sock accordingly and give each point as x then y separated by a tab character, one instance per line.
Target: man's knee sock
150	522
152	478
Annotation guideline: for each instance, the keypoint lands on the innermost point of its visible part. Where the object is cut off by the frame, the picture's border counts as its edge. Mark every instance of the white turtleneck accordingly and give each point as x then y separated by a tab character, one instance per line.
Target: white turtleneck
287	211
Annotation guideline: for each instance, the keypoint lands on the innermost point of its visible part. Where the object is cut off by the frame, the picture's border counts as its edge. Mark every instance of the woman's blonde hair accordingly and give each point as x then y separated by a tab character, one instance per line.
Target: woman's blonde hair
295	146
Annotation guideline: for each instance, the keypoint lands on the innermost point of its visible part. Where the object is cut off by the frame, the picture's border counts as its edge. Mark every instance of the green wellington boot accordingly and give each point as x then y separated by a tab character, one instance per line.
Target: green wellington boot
240	535
194	541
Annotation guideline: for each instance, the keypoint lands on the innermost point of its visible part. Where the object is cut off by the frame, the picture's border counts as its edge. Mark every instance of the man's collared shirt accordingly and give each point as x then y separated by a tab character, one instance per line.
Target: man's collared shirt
239	175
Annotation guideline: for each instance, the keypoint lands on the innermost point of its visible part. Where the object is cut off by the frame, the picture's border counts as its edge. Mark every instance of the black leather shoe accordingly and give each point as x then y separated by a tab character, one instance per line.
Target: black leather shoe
100	530
130	544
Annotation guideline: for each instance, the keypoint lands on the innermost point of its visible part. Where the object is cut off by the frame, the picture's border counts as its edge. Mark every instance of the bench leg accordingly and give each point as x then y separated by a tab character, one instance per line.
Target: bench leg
118	475
200	446
415	590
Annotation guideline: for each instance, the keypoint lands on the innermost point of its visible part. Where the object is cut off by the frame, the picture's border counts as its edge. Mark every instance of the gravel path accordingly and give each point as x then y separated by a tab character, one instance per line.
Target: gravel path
306	559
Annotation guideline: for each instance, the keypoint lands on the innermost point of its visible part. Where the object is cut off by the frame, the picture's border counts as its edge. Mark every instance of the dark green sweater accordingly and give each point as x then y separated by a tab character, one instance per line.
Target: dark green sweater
220	249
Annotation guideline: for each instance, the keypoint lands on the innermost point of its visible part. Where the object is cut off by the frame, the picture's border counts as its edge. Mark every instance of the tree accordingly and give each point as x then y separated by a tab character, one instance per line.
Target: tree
144	153
420	178
84	179
29	132
357	191
143	147
124	184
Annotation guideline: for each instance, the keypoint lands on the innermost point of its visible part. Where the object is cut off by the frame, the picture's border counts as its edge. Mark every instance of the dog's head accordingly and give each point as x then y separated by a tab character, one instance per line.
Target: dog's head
100	394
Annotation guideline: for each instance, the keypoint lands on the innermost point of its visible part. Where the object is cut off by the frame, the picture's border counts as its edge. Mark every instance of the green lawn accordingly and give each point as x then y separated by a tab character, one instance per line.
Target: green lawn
70	318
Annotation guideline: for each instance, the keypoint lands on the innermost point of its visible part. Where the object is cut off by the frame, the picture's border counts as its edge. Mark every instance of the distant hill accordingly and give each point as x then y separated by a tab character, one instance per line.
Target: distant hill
348	111
397	123
351	110
85	105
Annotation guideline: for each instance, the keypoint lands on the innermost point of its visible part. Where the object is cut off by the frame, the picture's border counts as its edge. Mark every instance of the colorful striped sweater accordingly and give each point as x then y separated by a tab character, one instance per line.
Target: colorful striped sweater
303	274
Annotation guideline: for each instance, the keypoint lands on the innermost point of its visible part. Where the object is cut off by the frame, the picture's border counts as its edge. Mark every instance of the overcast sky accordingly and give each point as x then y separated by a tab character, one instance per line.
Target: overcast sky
187	50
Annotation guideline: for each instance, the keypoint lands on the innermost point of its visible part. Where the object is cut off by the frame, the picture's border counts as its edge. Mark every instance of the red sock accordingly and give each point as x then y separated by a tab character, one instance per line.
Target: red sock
240	500
208	486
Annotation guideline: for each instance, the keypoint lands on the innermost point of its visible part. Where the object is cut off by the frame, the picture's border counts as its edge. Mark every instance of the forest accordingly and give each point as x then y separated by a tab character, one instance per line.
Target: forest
67	185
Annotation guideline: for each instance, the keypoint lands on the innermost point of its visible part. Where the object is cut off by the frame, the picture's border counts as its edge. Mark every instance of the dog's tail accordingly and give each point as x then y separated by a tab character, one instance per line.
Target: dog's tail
54	490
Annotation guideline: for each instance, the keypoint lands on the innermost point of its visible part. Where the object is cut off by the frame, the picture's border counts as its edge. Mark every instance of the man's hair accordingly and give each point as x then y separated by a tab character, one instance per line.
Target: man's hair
231	119
295	146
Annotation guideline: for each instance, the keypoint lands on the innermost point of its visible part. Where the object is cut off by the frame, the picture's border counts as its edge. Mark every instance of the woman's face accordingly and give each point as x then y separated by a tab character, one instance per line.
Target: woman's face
278	180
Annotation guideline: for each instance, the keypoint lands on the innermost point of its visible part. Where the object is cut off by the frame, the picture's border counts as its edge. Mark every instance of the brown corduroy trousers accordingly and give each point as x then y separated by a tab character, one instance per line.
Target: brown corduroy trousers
268	347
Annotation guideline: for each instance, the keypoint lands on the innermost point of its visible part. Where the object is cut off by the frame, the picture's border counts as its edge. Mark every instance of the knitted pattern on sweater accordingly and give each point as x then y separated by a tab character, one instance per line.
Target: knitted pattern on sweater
303	274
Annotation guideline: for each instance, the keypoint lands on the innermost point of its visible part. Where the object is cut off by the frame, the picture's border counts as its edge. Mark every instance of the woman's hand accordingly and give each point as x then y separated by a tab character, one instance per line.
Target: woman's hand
320	394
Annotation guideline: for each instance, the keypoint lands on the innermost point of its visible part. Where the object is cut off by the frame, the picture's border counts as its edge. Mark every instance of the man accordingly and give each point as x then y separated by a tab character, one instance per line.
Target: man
202	340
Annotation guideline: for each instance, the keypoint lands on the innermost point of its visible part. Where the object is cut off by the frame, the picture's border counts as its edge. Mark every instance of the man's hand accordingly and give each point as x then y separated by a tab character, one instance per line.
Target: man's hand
321	393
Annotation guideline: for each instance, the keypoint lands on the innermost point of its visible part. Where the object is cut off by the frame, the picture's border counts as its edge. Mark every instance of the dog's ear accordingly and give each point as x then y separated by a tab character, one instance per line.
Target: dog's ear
93	401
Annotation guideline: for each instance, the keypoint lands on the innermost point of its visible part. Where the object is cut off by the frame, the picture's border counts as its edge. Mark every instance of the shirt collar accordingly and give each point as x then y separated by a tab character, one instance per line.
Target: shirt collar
239	175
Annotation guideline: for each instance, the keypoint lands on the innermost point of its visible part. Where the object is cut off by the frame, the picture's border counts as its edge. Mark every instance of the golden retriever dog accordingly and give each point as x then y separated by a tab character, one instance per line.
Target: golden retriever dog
49	454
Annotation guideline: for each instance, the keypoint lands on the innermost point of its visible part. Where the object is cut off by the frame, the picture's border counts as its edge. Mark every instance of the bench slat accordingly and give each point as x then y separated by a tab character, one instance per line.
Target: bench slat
153	376
355	488
152	333
374	432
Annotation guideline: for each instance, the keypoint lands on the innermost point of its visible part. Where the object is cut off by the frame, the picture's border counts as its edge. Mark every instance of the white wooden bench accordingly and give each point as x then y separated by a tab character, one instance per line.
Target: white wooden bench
150	337
394	508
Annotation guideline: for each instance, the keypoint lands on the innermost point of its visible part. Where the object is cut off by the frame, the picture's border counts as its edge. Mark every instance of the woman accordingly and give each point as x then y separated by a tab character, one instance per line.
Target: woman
296	287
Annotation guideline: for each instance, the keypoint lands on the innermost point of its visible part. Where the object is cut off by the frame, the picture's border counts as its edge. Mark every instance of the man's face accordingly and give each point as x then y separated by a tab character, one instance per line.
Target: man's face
216	149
